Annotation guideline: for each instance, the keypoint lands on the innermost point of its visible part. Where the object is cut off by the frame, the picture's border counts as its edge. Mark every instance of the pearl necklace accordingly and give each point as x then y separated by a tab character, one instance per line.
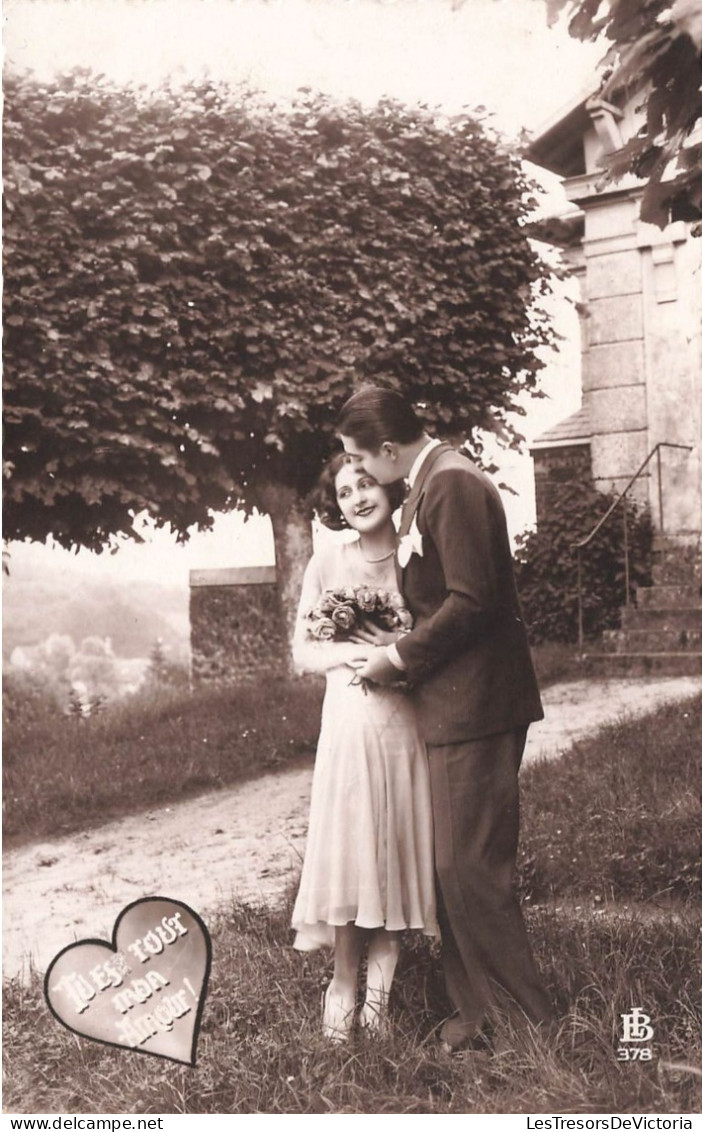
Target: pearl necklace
373	561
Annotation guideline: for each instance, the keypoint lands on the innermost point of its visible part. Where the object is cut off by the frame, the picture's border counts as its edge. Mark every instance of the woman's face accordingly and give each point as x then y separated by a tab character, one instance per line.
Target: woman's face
362	501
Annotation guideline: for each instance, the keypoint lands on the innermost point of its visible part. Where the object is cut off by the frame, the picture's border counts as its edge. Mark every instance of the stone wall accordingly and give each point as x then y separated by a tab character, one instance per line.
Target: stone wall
642	379
237	630
642	348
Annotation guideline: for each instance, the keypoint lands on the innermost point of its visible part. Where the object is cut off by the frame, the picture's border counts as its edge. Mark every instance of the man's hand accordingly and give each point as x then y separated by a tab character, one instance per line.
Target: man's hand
378	669
371	634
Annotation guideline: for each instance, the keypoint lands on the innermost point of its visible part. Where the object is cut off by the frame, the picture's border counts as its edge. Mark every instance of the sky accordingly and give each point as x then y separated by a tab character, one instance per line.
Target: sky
499	54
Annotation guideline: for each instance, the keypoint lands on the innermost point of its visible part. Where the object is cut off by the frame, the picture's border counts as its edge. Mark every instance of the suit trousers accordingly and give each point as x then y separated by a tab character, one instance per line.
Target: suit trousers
486	954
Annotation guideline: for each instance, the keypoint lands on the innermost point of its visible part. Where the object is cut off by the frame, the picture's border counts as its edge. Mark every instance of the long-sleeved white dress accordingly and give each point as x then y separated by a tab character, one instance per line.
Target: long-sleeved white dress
369	854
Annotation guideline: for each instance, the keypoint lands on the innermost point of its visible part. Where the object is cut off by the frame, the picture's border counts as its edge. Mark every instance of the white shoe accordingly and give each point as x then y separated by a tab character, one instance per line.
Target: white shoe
337	1017
373	1017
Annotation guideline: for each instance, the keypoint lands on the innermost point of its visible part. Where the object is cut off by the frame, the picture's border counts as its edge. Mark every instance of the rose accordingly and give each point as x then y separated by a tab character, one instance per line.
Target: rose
366	600
397	618
323	630
344	617
328	602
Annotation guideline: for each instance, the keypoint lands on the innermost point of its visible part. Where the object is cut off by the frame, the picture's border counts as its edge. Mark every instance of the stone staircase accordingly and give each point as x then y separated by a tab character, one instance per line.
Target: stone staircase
662	634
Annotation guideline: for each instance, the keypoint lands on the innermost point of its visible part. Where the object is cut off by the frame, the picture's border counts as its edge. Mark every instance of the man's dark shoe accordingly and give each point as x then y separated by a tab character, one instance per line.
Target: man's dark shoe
457	1036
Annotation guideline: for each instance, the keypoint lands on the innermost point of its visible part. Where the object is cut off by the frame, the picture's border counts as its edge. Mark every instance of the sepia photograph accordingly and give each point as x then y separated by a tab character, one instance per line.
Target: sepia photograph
352	560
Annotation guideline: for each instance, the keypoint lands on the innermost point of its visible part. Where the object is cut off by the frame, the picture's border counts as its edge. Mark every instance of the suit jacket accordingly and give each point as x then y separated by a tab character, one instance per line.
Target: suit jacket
468	653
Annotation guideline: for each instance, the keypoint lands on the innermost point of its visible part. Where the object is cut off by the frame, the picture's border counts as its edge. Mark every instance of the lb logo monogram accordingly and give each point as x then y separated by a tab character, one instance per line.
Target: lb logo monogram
636	1026
146	990
637	1029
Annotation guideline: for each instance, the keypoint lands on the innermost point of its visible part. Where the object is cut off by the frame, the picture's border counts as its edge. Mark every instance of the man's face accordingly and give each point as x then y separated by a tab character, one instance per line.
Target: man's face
382	465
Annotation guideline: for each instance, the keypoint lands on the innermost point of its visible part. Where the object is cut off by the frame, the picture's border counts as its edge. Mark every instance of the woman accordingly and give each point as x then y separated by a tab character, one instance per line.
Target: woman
368	870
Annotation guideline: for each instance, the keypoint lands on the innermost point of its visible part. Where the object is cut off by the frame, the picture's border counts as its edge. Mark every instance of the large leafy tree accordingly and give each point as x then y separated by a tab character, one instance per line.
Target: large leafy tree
655	49
195	281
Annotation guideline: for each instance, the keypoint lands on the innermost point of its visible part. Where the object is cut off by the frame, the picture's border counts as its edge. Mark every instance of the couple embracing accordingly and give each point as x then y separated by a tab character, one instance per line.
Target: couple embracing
414	813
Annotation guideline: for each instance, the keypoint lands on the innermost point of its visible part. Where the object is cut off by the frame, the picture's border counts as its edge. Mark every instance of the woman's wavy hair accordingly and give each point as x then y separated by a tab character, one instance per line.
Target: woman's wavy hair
323	501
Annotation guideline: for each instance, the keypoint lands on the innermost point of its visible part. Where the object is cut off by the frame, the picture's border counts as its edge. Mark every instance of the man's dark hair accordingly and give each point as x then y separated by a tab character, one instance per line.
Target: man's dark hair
373	415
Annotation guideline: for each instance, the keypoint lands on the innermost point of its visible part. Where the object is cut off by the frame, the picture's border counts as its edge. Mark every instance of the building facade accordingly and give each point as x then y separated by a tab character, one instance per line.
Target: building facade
641	322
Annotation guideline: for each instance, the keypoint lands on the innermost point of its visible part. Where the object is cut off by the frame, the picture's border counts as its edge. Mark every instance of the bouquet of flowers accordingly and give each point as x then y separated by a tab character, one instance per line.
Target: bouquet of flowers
338	612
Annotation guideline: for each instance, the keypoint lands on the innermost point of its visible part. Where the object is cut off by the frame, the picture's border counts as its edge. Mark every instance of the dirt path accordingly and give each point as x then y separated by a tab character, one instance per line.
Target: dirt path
245	843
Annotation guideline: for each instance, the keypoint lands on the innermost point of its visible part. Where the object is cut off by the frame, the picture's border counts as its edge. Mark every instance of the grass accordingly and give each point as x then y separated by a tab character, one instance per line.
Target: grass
260	1048
614	818
63	773
618	817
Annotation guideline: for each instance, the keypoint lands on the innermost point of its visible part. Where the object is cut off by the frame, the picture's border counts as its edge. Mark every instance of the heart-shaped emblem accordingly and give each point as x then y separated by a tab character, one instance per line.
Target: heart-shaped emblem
146	990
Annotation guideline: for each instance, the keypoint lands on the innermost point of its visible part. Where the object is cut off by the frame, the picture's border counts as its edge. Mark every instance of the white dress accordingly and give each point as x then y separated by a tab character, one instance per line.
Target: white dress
369	854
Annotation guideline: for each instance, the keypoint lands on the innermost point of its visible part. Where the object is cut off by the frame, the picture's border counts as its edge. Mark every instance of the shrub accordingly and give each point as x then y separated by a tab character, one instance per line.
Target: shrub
164	671
546	563
28	700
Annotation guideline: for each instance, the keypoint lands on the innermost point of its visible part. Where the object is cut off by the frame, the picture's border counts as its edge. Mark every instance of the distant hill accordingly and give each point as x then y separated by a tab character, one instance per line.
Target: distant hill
132	614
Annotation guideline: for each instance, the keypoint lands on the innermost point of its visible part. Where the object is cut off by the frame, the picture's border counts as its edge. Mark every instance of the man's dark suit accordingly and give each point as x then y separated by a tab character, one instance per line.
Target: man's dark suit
476	693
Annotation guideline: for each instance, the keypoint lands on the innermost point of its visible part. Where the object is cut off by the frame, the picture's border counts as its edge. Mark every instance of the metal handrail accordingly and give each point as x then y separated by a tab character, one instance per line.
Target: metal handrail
621	498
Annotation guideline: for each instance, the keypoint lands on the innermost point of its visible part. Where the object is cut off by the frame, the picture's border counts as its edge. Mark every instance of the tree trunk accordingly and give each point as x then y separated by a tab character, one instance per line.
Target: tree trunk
292	533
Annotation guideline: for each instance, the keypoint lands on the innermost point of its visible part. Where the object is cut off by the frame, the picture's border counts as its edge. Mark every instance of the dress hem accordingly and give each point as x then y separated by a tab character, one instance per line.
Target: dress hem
312	937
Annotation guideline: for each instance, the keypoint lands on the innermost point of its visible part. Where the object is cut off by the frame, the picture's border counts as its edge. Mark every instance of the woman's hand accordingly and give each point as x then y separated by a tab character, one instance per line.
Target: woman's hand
356	653
370	634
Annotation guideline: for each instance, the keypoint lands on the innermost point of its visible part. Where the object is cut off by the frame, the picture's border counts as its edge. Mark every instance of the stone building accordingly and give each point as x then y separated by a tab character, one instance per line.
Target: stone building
641	329
641	326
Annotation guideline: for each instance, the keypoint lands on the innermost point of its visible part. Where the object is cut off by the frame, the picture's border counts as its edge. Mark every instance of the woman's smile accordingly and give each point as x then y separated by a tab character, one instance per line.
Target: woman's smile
362	501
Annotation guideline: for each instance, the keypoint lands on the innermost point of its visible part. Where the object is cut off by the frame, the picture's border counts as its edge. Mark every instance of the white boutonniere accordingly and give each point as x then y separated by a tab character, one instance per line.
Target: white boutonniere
410	544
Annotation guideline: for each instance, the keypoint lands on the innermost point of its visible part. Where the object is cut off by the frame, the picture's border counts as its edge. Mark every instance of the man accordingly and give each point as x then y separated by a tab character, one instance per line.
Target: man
469	663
